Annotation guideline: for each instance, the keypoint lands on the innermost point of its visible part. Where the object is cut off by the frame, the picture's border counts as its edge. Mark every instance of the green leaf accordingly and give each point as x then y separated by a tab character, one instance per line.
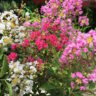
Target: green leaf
84	55
4	67
1	53
77	94
65	72
95	28
48	86
54	69
9	88
91	85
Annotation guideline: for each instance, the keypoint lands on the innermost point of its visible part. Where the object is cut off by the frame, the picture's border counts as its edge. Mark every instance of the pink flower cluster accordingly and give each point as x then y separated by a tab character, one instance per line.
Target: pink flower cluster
45	24
27	24
78	79
83	20
26	43
34	35
69	8
42	41
12	56
60	14
72	7
13	46
80	42
92	76
58	20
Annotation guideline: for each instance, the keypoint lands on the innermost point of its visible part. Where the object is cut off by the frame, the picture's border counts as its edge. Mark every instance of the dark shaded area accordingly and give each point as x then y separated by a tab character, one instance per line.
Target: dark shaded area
9	4
31	5
91	13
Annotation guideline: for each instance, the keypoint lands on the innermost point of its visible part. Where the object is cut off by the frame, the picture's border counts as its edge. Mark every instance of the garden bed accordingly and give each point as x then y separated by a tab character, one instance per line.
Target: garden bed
48	48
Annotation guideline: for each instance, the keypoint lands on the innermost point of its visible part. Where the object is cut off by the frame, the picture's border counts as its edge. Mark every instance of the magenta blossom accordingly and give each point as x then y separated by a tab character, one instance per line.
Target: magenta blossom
72	85
13	46
83	20
12	56
27	24
73	75
79	74
82	88
26	43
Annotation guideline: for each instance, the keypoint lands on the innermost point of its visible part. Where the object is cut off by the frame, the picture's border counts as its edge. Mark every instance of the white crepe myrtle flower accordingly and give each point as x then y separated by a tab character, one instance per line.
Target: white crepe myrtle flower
2	26
35	63
22	76
8	25
18	33
22	28
8	20
33	69
22	35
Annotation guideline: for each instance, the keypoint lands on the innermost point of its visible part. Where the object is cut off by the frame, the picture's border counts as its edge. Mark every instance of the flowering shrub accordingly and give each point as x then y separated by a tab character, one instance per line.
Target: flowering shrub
81	47
83	82
51	56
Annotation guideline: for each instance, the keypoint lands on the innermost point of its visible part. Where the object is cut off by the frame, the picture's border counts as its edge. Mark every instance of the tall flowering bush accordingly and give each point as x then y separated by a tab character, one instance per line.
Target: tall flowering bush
51	56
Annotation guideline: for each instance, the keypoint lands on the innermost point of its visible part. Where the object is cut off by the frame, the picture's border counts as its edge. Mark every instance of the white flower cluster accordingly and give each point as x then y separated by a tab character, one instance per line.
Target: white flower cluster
21	76
8	20
18	34
10	30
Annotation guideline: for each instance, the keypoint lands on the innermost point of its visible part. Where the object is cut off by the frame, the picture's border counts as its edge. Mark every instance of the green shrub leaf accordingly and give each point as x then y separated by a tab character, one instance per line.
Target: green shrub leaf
9	88
4	67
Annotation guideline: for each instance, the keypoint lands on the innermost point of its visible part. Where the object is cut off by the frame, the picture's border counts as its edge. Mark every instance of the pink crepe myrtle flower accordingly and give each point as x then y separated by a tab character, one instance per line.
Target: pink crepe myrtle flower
30	59
83	20
71	56
85	81
26	43
55	27
64	38
59	47
82	88
12	56
45	26
27	24
72	85
85	50
92	77
78	52
41	44
82	42
79	74
94	70
35	24
53	40
73	75
34	35
40	62
13	46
